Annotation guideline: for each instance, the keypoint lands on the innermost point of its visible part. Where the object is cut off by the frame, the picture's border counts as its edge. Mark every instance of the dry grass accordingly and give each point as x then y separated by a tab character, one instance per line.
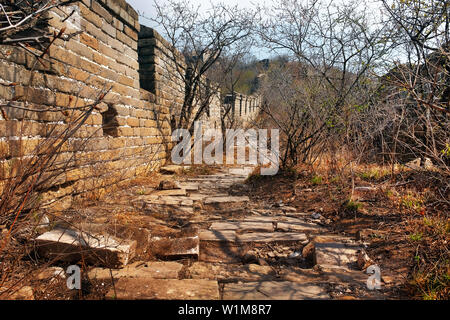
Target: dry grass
410	209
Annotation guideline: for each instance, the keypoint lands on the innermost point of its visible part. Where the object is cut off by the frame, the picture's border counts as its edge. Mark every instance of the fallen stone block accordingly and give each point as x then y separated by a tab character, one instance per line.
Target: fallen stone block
126	232
164	289
272	290
71	246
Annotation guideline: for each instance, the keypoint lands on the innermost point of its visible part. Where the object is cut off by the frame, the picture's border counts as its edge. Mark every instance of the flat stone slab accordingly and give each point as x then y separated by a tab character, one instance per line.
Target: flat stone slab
189	186
299	227
241	171
273	290
301	215
152	270
339	275
172	192
279	237
243	226
198	196
230	272
69	245
260	219
230	199
164	289
172	169
217	235
173	248
335	254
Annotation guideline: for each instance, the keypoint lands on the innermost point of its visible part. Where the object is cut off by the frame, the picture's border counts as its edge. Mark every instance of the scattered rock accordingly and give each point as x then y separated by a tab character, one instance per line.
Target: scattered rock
387	279
316	215
168	185
428	164
414	164
363	261
262	262
51	273
24	293
308	251
295	255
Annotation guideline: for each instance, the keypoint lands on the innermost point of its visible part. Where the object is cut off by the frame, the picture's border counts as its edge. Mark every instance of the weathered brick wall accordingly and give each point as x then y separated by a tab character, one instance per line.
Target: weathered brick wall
102	57
160	75
106	55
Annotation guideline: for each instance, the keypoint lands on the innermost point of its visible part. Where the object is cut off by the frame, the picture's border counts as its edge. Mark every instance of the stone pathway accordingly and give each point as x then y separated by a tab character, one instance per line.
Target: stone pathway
235	248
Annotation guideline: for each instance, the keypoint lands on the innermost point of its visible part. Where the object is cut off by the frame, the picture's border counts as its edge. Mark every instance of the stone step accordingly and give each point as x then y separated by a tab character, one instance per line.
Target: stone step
299	227
69	245
336	254
189	186
217	236
273	237
229	199
230	272
164	289
172	192
243	226
142	270
273	290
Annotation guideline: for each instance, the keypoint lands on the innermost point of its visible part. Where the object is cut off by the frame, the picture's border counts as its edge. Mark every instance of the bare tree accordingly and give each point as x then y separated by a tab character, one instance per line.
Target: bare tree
338	45
202	39
24	23
419	81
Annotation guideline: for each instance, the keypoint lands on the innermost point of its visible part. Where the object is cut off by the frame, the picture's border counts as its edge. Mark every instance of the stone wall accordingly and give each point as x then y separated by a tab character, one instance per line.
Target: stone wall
244	109
163	77
103	58
105	55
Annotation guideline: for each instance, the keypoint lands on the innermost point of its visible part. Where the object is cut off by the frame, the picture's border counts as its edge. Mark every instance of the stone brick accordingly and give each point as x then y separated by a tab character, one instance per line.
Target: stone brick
89	41
102	12
133	122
